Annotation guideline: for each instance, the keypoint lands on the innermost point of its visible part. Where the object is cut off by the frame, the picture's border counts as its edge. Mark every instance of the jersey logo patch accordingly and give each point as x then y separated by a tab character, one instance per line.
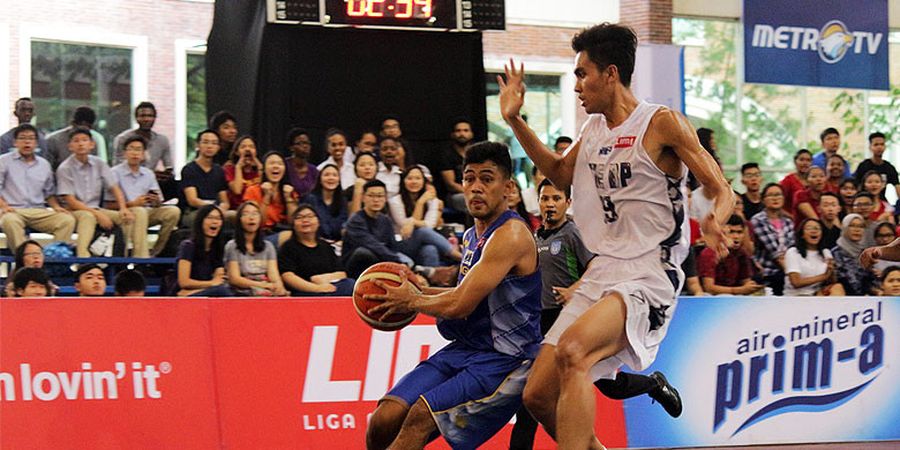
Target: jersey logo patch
555	246
625	141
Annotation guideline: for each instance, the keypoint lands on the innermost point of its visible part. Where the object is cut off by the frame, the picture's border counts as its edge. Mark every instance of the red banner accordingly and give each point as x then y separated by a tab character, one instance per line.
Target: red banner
207	373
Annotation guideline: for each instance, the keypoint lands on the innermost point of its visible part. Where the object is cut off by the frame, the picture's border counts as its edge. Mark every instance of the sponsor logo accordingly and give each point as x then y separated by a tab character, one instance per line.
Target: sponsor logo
625	141
815	366
832	42
555	246
85	384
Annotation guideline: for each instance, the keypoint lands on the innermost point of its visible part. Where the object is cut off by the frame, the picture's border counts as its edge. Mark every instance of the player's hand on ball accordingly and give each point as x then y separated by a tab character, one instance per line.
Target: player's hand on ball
512	90
399	299
714	235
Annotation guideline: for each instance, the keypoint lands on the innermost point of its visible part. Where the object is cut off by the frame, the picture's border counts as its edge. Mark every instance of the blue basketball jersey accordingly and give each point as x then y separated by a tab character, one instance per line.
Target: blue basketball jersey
508	319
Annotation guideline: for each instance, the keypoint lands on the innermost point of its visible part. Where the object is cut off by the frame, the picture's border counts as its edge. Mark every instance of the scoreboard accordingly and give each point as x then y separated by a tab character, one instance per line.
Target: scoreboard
437	15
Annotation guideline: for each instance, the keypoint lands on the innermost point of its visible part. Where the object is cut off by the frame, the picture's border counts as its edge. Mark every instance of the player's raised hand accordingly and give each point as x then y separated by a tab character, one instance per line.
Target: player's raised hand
714	235
512	90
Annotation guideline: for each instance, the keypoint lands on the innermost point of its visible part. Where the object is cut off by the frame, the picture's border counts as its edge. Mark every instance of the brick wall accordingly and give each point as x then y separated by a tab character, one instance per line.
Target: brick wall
651	19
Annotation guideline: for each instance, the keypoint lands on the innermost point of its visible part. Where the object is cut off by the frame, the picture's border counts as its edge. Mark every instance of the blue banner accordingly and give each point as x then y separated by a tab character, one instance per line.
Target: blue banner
835	43
755	370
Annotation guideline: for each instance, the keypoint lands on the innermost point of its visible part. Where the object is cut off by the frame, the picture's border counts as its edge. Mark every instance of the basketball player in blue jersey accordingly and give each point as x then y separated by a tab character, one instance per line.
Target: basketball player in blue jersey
627	172
470	389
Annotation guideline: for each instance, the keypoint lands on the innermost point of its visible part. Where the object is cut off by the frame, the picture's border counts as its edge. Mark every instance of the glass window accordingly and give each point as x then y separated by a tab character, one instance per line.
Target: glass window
196	99
66	76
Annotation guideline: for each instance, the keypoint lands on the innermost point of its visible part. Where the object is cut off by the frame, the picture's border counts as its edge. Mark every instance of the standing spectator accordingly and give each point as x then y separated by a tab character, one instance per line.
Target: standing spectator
301	174
390	167
751	178
242	170
307	263
873	183
58	141
733	274
390	127
143	197
878	164
31	282
451	166
890	282
24	112
796	181
159	153
129	283
250	261
202	180
806	202
516	204
366	143
834	173
201	270
82	179
26	183
830	211
848	191
774	232
366	169
417	205
327	199
809	269
831	145
275	196
561	144
90	281
855	279
336	144
224	124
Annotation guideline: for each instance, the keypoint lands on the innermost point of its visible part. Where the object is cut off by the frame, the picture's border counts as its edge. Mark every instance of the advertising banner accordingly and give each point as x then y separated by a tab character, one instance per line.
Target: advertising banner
757	370
838	43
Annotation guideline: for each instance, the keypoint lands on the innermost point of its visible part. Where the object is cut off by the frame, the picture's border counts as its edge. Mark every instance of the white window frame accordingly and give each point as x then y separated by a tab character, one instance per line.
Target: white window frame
67	33
183	48
568	99
6	105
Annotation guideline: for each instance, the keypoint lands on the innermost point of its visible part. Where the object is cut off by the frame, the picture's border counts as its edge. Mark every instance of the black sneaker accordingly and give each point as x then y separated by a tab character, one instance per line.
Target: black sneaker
666	395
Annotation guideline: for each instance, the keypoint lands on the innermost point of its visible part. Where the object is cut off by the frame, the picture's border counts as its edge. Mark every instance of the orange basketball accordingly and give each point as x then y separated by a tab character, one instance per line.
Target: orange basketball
389	273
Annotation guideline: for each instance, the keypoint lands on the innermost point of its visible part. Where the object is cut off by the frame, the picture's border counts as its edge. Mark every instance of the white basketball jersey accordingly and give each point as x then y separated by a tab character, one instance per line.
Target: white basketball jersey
625	206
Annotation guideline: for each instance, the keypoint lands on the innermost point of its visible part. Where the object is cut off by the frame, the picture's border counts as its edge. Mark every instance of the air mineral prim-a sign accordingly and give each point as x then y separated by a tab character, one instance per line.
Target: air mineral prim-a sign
839	43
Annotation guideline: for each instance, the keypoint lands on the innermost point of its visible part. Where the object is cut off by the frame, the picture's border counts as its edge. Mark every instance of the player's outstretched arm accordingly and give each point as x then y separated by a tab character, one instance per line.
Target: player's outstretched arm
890	252
674	130
558	169
510	249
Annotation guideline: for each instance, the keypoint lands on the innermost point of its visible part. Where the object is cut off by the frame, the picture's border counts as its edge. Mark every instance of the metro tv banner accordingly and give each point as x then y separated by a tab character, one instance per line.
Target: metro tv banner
835	43
757	370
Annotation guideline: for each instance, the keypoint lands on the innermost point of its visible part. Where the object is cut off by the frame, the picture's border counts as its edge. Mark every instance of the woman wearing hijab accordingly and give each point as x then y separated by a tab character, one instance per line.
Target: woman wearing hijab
855	279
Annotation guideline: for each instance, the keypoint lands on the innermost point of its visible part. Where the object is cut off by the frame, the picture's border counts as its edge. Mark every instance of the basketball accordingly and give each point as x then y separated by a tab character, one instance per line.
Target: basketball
389	273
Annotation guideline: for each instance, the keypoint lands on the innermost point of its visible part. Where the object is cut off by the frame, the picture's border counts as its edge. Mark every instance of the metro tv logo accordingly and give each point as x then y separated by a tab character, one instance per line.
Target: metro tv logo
832	42
815	366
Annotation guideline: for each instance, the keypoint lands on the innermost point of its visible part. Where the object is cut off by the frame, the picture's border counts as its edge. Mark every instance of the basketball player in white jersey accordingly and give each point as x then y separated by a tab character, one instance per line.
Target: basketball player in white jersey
627	171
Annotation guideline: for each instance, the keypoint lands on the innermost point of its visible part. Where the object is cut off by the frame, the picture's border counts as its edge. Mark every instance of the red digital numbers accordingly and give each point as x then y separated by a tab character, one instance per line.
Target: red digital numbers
399	9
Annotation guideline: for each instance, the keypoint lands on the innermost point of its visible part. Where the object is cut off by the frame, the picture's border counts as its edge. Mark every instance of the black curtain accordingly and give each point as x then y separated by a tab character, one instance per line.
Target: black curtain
317	78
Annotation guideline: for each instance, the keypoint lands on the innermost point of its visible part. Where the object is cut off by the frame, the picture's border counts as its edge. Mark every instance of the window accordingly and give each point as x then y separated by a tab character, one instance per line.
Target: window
196	98
65	76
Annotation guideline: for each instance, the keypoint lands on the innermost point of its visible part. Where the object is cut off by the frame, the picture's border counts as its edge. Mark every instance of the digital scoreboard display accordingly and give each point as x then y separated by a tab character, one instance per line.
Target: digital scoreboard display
462	15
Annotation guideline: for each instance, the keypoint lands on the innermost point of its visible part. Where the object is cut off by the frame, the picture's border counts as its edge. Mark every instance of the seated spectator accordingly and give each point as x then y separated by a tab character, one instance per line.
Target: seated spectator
90	281
26	183
864	204
336	143
873	183
834	173
224	124
130	283
250	261
366	168
29	254
774	233
31	282
890	282
327	199
58	150
369	239
201	270
561	144
275	196
733	274
300	173
406	159
366	143
451	164
143	197
806	202
242	170
159	153
830	210
417	205
691	279
847	192
203	181
855	279
516	204
809	269
23	109
307	263
391	166
796	181
884	235
81	181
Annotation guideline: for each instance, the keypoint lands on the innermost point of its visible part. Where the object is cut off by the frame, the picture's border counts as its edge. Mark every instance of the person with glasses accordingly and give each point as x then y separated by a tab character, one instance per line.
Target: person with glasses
751	178
308	264
850	273
864	204
774	232
882	252
27	187
29	255
885	233
251	262
300	173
